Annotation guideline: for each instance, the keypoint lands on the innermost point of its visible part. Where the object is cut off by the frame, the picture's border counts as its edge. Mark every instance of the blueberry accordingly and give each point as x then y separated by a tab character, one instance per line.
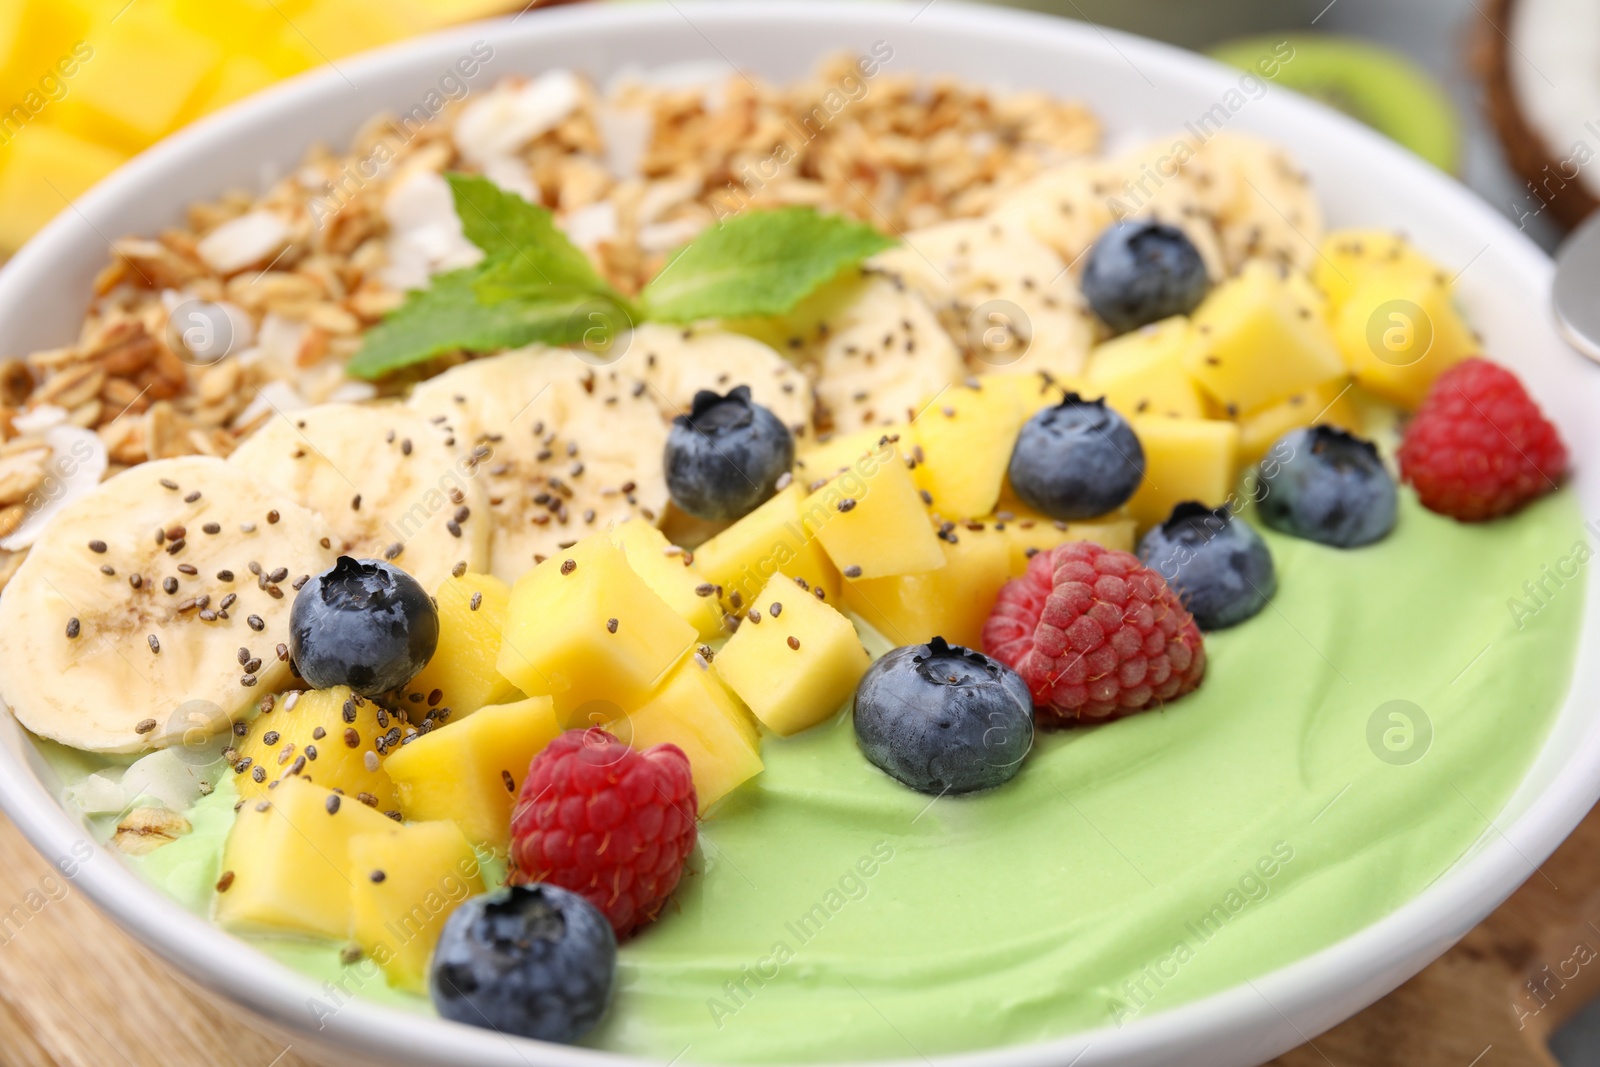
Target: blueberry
944	719
1326	485
725	457
1141	272
1076	460
1218	565
362	623
535	960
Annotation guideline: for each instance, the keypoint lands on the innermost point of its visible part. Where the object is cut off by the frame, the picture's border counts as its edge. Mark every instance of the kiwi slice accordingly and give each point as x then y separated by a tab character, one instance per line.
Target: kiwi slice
1368	82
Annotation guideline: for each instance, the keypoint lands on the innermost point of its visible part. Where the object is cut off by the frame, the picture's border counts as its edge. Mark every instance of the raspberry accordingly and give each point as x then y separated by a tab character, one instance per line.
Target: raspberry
610	824
1479	447
1095	634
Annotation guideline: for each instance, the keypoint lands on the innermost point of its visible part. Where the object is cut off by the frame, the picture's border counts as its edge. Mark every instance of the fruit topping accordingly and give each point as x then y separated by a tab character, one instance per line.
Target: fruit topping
1139	272
1077	460
1326	485
695	711
405	883
1141	373
942	718
725	456
609	823
1479	447
794	661
1216	563
963	443
333	737
1184	459
1095	634
120	631
952	601
469	769
740	560
871	520
461	676
536	961
362	623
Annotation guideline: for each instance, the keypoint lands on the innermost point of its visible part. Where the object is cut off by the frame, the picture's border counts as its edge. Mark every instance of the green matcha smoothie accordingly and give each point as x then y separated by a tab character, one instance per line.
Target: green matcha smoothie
1347	746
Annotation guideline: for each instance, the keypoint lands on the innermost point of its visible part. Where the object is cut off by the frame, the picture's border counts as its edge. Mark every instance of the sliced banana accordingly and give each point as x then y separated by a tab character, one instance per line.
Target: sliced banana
1265	205
565	447
392	484
678	362
875	345
1003	295
151	611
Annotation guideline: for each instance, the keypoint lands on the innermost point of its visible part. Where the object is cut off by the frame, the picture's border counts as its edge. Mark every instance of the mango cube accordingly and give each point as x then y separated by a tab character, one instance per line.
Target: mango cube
1260	340
305	735
837	454
286	864
1329	404
1142	372
406	882
470	771
1185	459
964	439
41	172
952	602
462	675
1029	534
1398	330
742	558
1348	257
871	520
694	710
1035	391
798	665
585	629
670	573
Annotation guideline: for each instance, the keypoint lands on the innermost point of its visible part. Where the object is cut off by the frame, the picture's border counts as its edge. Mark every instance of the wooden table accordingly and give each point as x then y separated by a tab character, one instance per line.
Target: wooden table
63	1006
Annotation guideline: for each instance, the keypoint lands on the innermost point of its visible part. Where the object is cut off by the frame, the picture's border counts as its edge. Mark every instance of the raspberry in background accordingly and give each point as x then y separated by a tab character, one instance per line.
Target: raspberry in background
1479	447
1095	634
611	824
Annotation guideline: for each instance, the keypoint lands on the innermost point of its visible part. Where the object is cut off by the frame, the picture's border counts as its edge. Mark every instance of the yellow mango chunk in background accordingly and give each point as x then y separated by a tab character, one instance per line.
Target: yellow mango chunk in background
1349	257
405	882
41	171
1185	459
951	602
1330	405
694	710
963	442
1399	330
742	558
1027	534
1142	372
872	522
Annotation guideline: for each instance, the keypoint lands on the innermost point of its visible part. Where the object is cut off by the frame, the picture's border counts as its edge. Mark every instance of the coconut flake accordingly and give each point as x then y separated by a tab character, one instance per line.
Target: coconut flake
588	226
511	174
98	794
626	133
502	121
665	236
663	196
710	76
77	463
352	393
273	396
168	777
426	235
40	419
237	243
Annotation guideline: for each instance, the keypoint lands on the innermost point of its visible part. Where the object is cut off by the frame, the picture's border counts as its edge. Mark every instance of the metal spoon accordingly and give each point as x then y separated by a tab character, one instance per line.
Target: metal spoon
1576	293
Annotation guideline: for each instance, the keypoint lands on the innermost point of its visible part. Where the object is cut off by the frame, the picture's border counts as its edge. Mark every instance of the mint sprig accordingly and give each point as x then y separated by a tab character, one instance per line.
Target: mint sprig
534	286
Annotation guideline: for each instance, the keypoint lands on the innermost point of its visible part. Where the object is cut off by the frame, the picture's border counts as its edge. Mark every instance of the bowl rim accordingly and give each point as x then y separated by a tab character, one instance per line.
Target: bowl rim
1316	990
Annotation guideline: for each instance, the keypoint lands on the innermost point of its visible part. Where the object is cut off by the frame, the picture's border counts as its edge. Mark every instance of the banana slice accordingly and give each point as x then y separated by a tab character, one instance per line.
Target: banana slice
137	620
565	448
1004	296
679	362
876	346
1264	203
391	484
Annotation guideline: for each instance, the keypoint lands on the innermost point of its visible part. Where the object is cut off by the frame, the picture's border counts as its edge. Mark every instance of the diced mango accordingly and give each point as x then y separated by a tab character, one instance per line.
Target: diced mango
669	573
837	454
1185	459
742	558
406	882
41	41
1260	341
694	710
305	735
1398	330
239	77
951	602
41	172
1142	372
146	68
871	520
1329	404
964	439
472	615
1028	534
798	665
286	864
470	771
1035	391
1349	256
584	629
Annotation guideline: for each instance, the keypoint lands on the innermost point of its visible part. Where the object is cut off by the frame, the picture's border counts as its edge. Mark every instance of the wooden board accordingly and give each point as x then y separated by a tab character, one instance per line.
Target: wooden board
75	992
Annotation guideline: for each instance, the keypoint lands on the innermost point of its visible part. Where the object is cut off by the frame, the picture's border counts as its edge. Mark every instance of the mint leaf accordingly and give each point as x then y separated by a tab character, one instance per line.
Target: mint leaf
449	316
522	237
757	263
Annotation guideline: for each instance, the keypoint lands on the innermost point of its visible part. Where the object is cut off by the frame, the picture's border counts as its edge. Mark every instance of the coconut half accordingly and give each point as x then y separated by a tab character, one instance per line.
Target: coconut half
1540	63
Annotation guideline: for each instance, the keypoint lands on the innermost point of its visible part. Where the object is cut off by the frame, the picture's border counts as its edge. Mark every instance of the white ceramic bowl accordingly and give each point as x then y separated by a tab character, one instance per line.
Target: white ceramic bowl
1135	85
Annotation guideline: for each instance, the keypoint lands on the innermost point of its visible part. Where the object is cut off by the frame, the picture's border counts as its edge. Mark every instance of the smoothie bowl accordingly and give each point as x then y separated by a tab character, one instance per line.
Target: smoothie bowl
793	535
